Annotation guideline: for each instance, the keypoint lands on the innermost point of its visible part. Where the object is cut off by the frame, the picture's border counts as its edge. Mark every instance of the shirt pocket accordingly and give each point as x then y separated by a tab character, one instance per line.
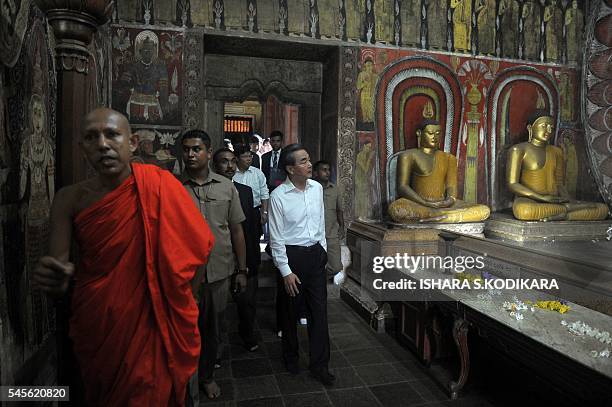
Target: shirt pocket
217	212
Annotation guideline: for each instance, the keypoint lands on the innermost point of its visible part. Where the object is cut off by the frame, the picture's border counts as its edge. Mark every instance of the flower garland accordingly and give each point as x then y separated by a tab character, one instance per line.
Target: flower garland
580	328
515	307
559	306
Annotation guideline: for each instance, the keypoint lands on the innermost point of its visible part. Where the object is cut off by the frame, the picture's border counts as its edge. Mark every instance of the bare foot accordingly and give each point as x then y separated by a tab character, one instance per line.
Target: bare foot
212	390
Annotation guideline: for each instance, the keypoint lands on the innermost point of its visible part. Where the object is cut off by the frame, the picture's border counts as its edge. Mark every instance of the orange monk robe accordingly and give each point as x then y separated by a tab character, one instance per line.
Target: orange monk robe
134	319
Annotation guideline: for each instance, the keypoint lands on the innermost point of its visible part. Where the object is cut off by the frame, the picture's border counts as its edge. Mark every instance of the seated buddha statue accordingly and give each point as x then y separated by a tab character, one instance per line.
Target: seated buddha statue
427	184
535	174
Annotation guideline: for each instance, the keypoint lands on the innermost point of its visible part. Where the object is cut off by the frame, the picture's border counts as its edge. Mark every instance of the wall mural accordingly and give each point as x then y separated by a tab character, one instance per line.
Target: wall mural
27	169
147	75
14	21
367	191
485	101
159	147
526	29
597	86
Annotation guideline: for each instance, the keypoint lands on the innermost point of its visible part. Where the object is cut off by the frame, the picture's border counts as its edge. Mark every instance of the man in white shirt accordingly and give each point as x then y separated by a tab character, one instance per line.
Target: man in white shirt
297	241
254	178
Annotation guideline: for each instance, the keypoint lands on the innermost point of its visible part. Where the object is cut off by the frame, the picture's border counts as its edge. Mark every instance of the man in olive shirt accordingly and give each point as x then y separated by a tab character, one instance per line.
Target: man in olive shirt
218	201
334	218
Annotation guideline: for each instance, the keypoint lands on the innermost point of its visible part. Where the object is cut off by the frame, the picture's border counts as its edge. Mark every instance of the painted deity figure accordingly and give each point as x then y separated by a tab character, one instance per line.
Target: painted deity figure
147	79
485	12
363	174
508	12
554	28
535	174
436	23
573	25
427	184
462	17
531	19
36	190
570	157
366	84
37	166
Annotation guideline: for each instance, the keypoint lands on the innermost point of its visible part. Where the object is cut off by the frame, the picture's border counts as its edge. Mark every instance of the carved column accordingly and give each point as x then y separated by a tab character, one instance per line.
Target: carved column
74	24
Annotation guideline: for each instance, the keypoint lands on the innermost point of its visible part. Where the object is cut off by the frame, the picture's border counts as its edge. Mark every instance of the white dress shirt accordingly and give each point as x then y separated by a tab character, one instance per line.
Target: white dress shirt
254	178
296	218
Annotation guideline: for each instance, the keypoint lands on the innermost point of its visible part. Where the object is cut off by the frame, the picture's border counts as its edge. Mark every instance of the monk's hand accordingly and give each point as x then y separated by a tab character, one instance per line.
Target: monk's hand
53	276
291	282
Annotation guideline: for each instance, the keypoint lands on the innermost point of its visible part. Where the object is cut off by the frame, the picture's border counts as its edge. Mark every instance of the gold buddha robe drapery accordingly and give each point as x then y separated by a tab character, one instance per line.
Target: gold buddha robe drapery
432	187
545	181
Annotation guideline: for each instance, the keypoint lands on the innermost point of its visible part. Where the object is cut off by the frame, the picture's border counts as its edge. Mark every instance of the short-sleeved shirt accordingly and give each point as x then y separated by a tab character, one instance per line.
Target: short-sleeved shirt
331	201
219	203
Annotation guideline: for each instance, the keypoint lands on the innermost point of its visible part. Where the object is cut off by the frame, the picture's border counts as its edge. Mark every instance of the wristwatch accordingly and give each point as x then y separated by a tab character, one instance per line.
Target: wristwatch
266	212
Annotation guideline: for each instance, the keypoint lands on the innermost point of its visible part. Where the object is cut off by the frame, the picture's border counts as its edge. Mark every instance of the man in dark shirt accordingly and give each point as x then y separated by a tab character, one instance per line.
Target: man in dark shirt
254	146
225	162
270	160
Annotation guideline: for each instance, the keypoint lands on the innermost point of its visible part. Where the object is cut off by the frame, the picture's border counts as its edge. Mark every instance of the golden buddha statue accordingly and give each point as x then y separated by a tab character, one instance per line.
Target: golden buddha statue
535	174
427	184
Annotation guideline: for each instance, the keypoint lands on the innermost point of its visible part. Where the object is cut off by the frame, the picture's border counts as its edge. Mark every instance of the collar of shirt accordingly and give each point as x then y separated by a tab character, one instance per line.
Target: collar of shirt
250	169
290	187
212	177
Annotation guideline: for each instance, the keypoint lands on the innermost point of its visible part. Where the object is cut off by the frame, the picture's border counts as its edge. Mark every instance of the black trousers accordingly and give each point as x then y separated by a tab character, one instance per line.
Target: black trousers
308	263
213	303
246	303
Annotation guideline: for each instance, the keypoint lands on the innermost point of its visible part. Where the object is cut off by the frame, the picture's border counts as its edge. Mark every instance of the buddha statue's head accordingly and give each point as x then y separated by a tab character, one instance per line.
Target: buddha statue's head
428	134
540	128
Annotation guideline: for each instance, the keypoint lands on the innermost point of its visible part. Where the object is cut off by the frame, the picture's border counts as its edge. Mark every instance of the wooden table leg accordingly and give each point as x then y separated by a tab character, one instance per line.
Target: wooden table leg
460	331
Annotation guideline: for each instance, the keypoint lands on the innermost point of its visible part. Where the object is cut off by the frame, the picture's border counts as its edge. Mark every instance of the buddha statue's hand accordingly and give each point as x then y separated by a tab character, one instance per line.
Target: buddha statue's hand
441	204
554	199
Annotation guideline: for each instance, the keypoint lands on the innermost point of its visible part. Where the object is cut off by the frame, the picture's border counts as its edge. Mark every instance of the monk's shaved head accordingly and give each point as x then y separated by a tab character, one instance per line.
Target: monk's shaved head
104	114
108	143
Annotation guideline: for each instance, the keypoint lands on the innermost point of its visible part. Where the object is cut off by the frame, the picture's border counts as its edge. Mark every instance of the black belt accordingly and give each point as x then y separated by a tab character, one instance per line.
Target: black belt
305	249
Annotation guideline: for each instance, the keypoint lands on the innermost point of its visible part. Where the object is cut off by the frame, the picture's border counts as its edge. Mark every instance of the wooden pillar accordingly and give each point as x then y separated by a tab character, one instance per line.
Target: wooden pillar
74	24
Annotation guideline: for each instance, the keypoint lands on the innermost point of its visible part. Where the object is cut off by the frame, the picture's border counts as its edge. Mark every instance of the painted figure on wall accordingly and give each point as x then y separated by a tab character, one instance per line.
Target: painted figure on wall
566	93
573	26
570	158
147	75
383	13
535	174
531	18
426	184
436	23
509	13
148	80
364	175
146	152
36	190
485	12
462	28
411	22
554	30
366	85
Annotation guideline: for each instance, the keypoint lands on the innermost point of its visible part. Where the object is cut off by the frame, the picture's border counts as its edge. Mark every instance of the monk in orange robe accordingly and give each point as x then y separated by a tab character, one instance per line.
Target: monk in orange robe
140	241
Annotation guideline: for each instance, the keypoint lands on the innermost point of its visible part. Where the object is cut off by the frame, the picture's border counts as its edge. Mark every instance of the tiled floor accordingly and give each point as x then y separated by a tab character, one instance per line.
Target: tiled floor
371	369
